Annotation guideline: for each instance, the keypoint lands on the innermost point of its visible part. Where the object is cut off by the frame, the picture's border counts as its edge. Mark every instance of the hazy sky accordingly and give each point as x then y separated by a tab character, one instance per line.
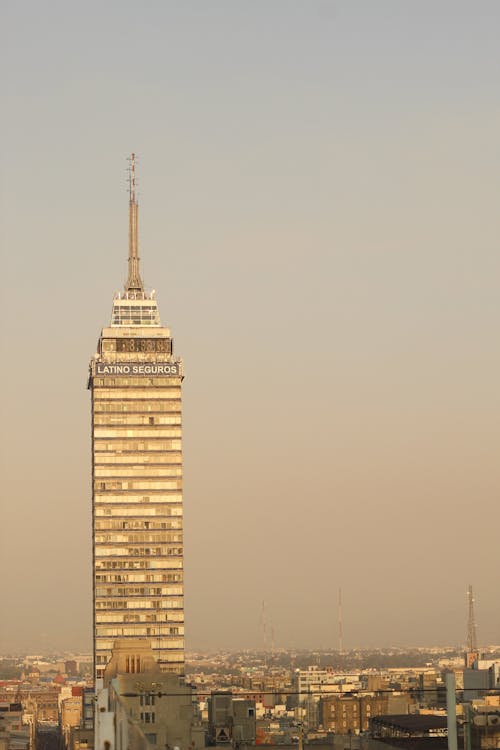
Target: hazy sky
319	189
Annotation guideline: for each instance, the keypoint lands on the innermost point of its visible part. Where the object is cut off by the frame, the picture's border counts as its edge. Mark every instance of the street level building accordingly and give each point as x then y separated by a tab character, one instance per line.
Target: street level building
145	708
135	383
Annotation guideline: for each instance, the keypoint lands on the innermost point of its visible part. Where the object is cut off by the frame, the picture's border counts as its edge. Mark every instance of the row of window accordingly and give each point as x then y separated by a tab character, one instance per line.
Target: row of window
366	708
165	497
143	381
160	617
137	525
137	419
133	407
169	563
129	591
137	632
165	471
152	509
138	432
175	614
166	653
133	446
156	604
141	388
144	484
149	460
165	537
139	578
137	551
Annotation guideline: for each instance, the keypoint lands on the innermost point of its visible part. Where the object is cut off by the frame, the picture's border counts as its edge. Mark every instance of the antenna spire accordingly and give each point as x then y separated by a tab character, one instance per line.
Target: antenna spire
134	282
341	629
471	623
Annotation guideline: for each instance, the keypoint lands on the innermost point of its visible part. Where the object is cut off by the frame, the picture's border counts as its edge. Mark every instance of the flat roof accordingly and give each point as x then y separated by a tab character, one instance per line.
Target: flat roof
412	722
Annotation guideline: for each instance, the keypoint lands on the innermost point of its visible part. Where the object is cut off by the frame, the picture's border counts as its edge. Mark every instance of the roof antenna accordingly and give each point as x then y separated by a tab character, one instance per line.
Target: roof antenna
134	285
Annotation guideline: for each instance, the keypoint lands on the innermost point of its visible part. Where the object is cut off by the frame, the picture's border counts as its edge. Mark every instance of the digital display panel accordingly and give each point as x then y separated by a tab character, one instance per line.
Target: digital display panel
144	345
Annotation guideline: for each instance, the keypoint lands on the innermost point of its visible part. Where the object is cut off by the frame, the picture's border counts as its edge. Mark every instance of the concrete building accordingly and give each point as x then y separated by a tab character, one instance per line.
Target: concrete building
409	726
432	692
15	734
477	682
43	699
145	704
483	723
351	714
135	383
231	719
311	684
71	716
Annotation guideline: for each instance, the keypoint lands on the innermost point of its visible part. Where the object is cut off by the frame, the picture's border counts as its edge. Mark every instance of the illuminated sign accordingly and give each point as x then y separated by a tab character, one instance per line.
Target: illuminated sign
141	369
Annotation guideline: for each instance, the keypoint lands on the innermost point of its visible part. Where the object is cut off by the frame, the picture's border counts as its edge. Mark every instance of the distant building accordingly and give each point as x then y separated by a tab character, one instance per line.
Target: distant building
312	683
409	726
432	691
14	734
71	716
231	719
71	667
315	681
477	682
349	714
45	699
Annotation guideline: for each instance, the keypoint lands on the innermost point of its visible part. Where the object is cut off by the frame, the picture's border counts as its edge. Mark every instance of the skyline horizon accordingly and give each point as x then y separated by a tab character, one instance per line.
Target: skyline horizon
403	649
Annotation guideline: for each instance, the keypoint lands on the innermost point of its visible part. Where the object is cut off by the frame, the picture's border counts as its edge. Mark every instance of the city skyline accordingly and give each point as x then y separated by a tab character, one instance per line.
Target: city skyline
318	191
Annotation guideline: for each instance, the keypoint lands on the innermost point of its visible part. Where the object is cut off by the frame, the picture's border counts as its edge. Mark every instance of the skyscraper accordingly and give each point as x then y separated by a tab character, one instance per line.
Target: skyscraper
135	383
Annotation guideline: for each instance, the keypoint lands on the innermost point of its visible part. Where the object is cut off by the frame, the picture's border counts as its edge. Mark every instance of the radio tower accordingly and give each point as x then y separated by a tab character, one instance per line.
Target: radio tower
263	623
471	654
471	623
341	629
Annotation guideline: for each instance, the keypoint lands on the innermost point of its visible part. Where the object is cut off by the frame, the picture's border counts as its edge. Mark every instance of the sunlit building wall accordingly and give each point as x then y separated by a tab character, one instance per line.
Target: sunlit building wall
135	383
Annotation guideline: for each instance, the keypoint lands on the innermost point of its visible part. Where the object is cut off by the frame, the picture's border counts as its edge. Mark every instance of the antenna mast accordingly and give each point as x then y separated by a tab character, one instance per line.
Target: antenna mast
341	633
264	631
471	623
134	285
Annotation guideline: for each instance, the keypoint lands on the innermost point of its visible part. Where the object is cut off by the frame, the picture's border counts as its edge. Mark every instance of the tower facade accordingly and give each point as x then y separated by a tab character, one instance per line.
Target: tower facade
135	383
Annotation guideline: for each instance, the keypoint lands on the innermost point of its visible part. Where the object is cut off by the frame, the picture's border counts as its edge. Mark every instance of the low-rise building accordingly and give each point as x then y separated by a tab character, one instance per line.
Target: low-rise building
160	704
231	719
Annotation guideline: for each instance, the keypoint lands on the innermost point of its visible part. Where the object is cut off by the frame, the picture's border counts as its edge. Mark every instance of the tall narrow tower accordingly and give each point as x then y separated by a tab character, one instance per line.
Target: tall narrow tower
471	621
135	383
472	654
